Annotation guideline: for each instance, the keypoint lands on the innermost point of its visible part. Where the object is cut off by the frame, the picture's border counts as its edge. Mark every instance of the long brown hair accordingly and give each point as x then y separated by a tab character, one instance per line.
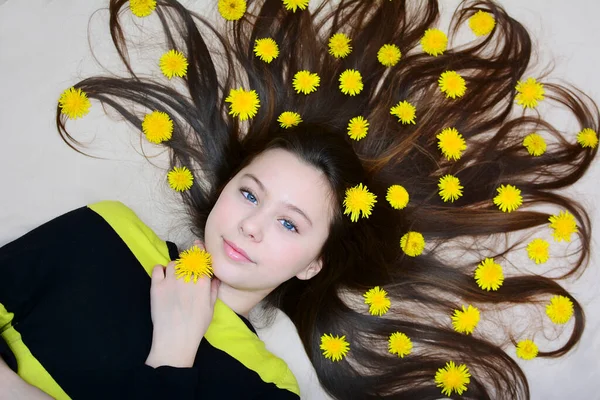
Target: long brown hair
424	290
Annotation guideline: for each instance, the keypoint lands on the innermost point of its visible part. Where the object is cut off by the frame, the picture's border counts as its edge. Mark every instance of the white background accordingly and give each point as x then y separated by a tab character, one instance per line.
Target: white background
44	49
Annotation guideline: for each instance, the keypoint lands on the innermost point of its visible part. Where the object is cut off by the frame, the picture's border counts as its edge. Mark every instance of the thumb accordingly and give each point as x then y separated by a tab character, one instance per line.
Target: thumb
158	274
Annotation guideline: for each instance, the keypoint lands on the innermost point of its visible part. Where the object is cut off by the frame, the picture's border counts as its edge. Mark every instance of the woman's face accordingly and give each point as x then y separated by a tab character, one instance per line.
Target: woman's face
277	211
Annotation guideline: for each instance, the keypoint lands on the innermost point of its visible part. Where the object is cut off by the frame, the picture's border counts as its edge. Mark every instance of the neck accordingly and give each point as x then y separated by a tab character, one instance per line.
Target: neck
240	301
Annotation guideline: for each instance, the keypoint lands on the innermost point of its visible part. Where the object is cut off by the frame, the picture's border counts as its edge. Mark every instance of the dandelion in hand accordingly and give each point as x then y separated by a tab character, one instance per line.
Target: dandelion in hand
266	49
451	143
244	103
157	126
508	199
180	179
587	138
535	144
351	82
292	5
489	275
173	63
377	301
563	226
142	8
339	45
74	103
434	42
334	347
288	119
358	202
527	350
452	84
193	264
399	344
412	243
358	127
450	188
452	378
405	112
232	10
389	55
306	82
397	196
560	309
537	250
482	23
529	93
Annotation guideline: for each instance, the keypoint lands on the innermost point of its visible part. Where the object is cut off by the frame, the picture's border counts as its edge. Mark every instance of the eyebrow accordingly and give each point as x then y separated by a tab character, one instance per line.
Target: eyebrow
288	205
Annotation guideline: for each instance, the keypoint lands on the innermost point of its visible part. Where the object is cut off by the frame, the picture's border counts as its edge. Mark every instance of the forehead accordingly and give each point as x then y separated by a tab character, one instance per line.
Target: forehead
288	179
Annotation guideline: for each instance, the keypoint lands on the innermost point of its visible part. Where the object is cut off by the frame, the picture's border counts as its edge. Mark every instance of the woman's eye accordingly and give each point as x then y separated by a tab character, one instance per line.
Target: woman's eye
249	196
288	225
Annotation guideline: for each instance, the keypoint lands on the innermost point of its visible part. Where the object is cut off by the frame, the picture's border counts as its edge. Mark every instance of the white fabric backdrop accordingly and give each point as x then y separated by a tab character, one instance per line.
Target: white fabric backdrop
44	49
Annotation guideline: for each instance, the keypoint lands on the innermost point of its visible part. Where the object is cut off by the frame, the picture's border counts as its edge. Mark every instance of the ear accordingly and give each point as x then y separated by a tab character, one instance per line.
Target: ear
311	270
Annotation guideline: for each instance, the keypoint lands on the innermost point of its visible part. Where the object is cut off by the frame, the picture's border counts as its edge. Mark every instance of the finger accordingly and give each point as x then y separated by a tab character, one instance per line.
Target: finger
214	290
158	273
170	271
199	244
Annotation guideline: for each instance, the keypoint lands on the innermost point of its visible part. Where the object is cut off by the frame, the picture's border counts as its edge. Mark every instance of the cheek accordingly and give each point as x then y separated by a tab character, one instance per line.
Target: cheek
287	257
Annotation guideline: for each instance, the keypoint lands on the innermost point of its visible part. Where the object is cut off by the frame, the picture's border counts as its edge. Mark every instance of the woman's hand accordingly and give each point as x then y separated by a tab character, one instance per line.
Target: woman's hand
181	314
12	387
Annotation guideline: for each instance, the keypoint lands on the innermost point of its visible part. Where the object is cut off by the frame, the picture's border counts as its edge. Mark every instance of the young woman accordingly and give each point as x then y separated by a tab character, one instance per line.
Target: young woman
279	201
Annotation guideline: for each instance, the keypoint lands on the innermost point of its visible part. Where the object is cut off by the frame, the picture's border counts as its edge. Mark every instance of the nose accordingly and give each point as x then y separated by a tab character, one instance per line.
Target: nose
251	227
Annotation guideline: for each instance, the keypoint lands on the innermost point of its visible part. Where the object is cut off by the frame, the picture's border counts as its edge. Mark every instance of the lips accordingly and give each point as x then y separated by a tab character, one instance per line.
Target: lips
234	252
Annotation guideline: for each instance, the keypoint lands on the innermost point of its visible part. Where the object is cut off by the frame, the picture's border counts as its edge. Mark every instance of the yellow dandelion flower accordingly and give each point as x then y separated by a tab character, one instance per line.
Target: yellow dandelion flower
434	42
306	82
412	243
173	63
74	103
405	112
244	103
157	126
509	198
452	84
351	82
451	143
232	10
489	275
358	127
377	301
482	23
563	226
358	202
266	49
292	5
529	93
450	188
587	138
399	344
288	119
339	45
466	320
192	264
180	179
397	196
560	309
452	378
526	349
537	250
535	144
334	347
142	8
389	55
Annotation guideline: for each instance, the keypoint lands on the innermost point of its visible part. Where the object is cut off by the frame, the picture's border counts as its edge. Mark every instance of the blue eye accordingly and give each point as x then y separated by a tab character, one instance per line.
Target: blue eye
289	226
249	196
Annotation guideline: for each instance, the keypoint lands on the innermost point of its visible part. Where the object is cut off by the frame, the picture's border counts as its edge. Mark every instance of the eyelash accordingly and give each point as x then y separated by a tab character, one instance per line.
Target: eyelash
246	190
